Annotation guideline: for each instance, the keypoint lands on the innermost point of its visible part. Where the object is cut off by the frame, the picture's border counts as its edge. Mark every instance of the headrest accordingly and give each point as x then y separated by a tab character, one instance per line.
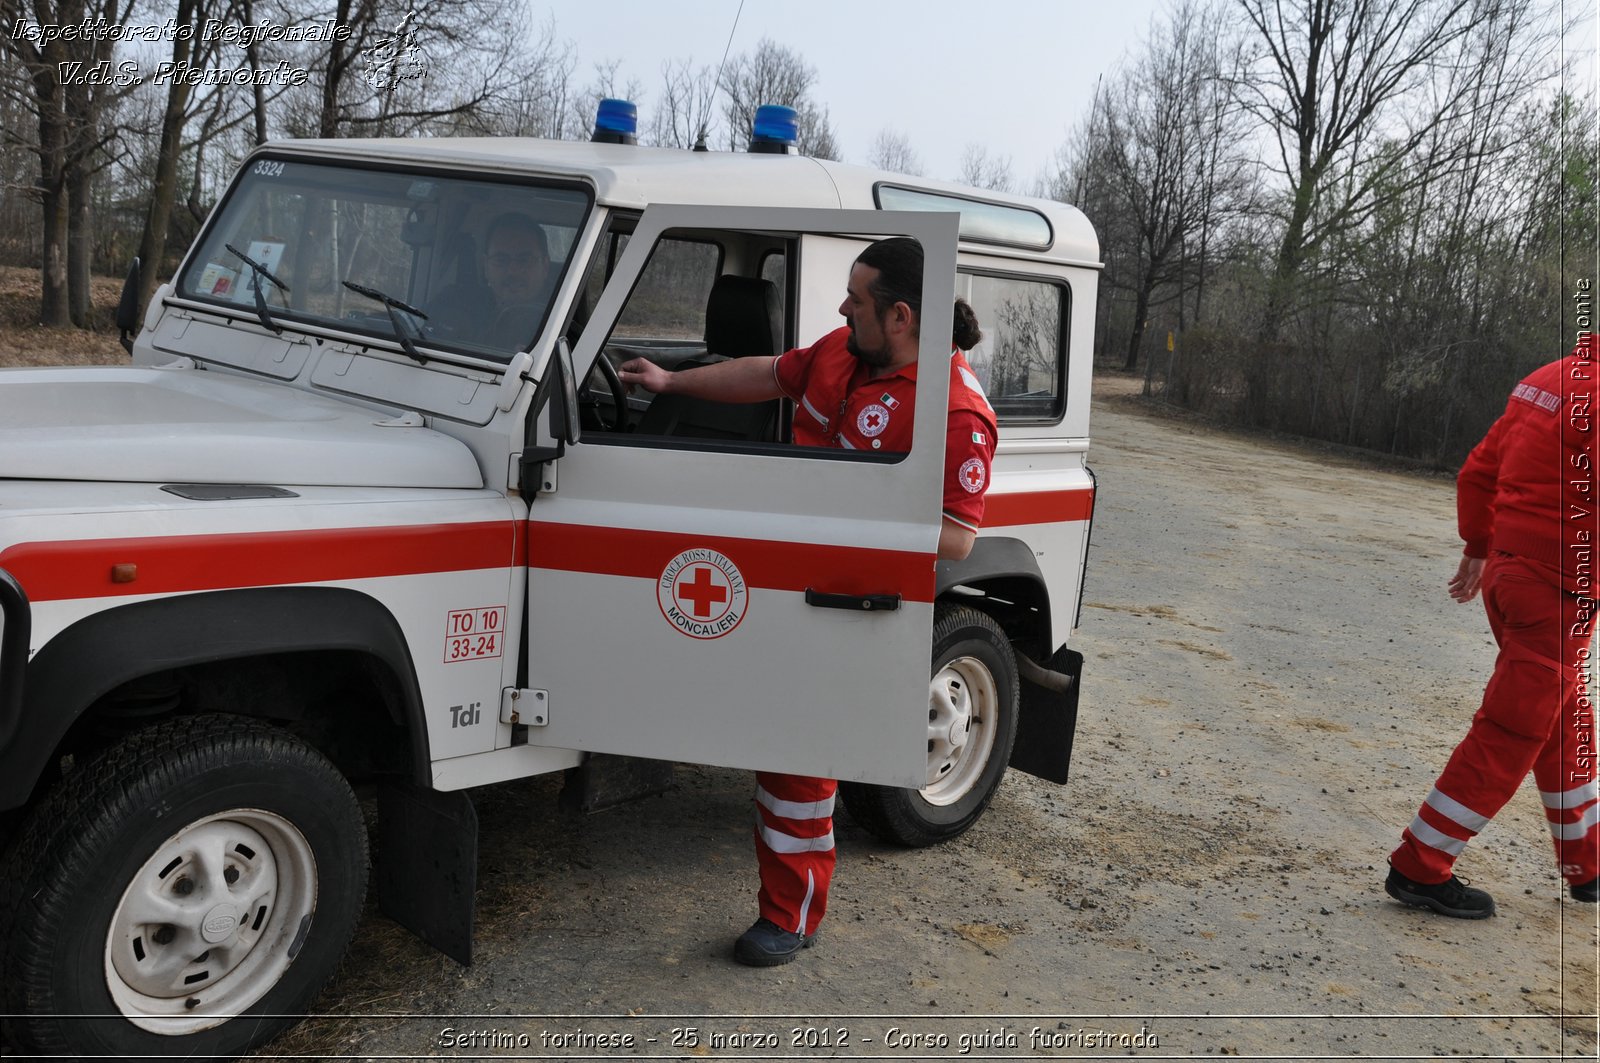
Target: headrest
742	317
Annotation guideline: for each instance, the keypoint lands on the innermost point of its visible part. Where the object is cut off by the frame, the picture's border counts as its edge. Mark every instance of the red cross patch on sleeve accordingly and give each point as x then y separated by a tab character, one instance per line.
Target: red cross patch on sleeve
972	475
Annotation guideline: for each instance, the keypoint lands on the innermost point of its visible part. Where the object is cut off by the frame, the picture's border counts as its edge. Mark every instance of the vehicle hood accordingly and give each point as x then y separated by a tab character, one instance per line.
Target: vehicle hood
179	425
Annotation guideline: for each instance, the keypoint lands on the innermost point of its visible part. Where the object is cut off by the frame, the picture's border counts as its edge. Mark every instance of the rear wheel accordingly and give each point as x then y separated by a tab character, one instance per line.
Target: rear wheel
186	893
972	722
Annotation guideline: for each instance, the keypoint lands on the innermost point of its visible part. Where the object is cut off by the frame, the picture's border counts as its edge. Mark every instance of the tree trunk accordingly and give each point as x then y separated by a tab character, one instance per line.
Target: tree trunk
164	189
333	77
253	55
1140	310
80	219
53	308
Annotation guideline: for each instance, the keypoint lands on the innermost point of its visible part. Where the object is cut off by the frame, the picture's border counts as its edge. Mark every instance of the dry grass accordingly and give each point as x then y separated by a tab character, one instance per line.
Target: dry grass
23	342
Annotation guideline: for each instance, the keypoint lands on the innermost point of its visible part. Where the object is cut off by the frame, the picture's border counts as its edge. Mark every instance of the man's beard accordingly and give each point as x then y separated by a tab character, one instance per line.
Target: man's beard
872	359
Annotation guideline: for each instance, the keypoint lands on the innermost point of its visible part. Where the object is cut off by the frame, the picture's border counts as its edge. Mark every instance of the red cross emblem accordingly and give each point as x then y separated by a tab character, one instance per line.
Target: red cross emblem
701	590
972	475
872	420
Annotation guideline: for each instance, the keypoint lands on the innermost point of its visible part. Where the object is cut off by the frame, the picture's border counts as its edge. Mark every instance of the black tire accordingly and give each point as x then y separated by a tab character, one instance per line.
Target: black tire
173	820
968	649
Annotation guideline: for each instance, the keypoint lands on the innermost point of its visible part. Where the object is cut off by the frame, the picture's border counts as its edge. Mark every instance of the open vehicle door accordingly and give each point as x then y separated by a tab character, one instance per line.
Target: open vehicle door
757	605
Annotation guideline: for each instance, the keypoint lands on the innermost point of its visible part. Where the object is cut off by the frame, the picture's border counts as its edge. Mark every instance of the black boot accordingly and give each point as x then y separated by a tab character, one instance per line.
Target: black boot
1451	897
766	944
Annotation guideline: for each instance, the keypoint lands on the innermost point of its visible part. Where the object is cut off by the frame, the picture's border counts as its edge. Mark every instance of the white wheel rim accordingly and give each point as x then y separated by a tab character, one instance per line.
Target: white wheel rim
211	921
963	711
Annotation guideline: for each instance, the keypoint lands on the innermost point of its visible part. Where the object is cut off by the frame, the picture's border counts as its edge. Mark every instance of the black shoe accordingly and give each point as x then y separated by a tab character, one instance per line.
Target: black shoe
1587	892
767	945
1451	897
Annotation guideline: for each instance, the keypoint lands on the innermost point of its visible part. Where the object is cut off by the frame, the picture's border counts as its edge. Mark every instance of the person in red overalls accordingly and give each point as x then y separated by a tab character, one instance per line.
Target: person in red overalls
855	389
1526	506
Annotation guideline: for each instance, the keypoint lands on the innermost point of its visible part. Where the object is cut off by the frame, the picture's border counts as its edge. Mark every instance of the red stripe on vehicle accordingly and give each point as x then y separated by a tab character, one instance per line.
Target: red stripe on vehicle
765	563
1036	507
58	571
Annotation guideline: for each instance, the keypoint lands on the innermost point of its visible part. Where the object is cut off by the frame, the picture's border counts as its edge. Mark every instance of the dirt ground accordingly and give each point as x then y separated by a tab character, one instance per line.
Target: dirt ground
1274	675
24	343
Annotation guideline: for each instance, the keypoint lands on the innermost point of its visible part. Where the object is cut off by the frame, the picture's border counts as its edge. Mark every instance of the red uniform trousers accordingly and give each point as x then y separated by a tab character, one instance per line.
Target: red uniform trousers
794	848
1535	714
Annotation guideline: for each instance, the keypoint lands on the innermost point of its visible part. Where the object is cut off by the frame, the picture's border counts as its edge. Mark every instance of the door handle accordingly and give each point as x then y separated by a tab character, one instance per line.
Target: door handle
858	603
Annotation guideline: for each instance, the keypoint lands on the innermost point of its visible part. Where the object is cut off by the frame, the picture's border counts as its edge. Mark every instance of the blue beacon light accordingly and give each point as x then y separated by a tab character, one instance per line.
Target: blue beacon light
616	122
775	131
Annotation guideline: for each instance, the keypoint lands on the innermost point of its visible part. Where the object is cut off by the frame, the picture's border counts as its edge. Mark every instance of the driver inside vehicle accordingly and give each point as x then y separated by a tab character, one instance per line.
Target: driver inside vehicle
505	309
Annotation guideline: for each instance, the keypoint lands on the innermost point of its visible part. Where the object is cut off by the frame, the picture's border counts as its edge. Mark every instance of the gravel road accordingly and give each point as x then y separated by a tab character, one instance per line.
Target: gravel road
1274	675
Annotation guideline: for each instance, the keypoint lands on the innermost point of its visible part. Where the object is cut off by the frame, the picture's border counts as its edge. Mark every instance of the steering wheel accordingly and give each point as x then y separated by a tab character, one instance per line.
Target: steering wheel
619	395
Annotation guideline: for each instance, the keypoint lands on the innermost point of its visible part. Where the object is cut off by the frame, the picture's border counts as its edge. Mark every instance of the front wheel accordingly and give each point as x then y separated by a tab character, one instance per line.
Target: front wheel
185	894
972	722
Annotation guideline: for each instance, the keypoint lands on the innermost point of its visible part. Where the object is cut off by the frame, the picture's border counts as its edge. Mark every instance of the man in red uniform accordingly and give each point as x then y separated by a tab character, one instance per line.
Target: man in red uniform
1526	508
855	389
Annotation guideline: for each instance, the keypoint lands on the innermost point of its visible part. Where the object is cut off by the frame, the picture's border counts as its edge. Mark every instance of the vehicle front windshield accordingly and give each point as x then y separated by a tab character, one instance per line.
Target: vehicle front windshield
479	259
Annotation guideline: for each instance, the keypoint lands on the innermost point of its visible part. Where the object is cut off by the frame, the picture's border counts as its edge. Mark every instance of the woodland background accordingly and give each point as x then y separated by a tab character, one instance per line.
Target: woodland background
1359	221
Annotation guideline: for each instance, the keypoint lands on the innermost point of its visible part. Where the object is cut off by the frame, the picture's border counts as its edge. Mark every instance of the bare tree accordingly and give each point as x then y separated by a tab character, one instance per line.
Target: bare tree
817	138
892	150
685	109
586	101
538	102
1349	89
775	75
405	66
982	170
1166	144
68	85
188	49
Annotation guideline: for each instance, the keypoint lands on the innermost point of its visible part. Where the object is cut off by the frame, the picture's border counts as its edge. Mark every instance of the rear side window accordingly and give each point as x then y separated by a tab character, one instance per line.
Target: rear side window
1022	360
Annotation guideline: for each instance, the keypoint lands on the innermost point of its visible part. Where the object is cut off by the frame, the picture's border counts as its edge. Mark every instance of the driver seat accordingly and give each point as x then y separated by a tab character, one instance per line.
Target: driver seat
742	320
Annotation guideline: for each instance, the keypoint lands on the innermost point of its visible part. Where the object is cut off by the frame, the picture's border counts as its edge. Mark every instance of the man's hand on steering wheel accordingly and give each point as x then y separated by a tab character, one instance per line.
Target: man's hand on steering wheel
644	373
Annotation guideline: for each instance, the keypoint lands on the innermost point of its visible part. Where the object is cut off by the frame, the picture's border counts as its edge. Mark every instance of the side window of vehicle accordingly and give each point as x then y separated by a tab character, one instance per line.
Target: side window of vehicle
668	304
683	312
1022	360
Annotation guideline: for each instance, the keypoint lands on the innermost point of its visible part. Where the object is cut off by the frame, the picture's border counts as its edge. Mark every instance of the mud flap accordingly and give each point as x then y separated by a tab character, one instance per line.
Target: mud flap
606	780
1049	717
428	865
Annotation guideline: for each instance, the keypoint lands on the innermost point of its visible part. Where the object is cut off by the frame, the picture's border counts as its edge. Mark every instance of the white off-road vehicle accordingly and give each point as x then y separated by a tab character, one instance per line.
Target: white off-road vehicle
331	528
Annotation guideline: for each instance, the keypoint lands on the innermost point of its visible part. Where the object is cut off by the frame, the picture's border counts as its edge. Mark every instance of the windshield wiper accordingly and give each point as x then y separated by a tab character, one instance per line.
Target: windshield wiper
391	304
261	303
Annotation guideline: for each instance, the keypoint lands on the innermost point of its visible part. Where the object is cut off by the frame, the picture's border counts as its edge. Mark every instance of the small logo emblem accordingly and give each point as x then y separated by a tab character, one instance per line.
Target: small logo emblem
395	57
889	401
219	923
872	420
702	593
972	475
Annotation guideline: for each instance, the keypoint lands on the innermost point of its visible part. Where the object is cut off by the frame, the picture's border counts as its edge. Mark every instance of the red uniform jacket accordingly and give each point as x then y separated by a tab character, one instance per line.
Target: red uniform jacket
1529	488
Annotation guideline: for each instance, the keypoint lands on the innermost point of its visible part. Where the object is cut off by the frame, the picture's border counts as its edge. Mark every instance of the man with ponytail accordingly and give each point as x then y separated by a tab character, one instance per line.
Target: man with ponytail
855	389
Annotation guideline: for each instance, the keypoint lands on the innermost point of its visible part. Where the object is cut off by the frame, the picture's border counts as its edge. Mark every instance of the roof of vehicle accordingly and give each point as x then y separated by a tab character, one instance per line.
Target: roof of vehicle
634	177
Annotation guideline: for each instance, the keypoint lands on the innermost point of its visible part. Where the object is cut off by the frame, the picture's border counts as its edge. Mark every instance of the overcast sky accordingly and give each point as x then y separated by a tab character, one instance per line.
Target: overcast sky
1011	74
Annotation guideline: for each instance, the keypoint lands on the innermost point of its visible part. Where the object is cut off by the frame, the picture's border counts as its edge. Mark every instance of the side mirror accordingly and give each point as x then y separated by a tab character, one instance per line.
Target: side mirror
128	307
559	383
